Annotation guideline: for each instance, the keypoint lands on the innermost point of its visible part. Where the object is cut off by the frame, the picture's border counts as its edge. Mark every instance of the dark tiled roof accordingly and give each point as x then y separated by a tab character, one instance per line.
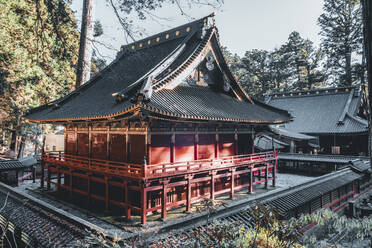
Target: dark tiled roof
322	111
304	193
361	165
337	159
14	164
167	56
39	226
265	142
198	102
283	201
290	134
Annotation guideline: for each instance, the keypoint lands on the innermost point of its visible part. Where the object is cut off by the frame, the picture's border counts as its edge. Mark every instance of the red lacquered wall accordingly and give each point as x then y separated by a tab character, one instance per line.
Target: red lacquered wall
184	147
70	143
99	145
83	144
160	149
226	145
118	147
206	146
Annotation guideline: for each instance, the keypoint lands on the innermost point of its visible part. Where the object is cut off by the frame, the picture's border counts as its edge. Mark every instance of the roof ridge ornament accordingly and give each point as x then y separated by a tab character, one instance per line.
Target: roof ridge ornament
147	89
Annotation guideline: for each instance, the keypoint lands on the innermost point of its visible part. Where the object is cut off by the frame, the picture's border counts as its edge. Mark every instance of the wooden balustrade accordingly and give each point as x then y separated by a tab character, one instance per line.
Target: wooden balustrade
199	175
156	170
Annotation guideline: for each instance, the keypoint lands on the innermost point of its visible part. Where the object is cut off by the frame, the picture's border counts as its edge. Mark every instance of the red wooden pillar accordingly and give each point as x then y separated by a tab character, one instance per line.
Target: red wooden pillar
143	203
148	148
42	173
251	179
196	146
58	178
274	173
70	183
164	200
172	146
216	152
232	183
213	173
266	176
89	190
321	201
107	198
236	151
188	200
108	141
48	178
90	140
128	213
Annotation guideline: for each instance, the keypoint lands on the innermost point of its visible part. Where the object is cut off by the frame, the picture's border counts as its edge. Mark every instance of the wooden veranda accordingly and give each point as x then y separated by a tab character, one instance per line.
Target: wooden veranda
148	188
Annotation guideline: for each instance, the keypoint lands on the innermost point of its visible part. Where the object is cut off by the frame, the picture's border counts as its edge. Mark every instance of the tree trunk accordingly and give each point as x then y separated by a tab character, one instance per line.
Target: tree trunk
85	46
348	68
21	149
13	140
367	32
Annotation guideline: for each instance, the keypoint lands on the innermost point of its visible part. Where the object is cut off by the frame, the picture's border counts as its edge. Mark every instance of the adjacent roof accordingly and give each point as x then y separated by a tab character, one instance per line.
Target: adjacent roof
265	142
305	193
15	164
149	77
36	225
290	134
321	158
361	165
284	201
322	111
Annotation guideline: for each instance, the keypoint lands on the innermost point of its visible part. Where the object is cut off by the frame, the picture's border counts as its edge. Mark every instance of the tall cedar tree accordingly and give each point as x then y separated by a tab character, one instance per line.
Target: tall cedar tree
341	31
38	52
304	61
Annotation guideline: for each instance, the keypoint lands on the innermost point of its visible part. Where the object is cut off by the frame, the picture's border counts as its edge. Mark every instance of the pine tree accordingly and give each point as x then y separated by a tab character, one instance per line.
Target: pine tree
38	54
341	31
304	61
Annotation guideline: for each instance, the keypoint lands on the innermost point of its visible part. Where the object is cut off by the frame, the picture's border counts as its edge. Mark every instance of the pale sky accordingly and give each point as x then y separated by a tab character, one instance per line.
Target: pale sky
243	24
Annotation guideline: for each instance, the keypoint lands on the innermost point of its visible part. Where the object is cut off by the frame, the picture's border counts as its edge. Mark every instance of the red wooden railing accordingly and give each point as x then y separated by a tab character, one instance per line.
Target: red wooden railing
156	170
92	164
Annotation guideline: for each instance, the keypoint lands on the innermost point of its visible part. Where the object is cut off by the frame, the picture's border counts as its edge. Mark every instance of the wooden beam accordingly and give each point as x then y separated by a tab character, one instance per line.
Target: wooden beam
232	183
107	193
164	200
108	141
89	189
48	178
70	183
188	200
126	201
251	180
42	164
148	148
143	204
213	173
172	146
58	178
266	176
274	172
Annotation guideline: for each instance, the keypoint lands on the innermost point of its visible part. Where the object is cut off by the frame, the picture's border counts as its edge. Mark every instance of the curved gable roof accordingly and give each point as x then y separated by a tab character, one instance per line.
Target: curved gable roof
160	60
322	111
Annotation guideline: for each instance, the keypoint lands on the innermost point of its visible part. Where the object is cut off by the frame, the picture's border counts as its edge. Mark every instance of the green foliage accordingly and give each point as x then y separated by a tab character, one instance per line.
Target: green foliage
341	31
38	51
293	66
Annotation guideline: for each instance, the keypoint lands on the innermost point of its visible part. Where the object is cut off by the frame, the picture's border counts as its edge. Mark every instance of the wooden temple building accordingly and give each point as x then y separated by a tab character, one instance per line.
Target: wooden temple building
164	125
337	117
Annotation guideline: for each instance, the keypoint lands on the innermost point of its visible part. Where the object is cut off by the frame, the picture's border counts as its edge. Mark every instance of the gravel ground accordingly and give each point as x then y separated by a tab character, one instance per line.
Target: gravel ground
289	180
